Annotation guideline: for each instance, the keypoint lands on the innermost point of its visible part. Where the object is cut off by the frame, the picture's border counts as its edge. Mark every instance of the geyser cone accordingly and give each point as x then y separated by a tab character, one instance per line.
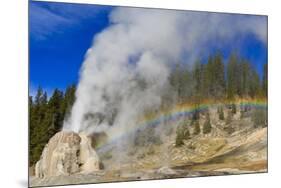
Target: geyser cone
88	156
67	153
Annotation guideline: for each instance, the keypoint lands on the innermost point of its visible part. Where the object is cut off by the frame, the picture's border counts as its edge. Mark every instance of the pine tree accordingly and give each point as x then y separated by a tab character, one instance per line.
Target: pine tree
197	129
198	87
218	85
220	113
31	128
264	80
177	81
255	84
259	118
198	78
55	110
209	78
233	108
186	84
232	77
38	96
46	119
37	111
228	117
245	79
68	101
182	134
207	125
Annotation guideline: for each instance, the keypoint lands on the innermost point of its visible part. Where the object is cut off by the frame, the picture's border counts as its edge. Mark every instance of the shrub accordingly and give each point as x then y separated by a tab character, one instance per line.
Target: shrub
229	117
245	111
242	114
141	156
233	108
182	134
229	129
147	137
197	129
196	115
220	112
259	118
150	151
207	125
192	147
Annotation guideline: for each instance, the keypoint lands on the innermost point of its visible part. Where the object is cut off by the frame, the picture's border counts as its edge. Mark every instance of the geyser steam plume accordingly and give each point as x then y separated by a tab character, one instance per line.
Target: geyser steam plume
126	70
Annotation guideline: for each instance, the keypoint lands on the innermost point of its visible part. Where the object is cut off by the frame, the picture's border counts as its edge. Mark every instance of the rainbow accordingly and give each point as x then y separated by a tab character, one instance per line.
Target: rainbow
179	111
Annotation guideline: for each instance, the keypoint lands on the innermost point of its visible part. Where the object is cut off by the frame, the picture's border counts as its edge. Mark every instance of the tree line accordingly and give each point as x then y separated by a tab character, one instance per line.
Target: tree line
46	117
216	80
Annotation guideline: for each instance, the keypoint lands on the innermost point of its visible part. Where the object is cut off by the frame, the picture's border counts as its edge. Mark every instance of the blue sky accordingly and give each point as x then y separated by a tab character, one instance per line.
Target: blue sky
61	33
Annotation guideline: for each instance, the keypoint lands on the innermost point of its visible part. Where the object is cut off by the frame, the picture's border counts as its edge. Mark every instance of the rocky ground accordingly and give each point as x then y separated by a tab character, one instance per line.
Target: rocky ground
220	152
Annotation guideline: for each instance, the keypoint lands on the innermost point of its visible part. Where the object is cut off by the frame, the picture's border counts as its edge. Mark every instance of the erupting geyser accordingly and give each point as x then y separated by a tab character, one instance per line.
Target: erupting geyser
126	71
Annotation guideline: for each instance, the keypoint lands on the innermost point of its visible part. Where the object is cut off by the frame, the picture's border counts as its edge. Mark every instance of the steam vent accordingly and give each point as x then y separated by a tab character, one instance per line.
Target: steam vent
67	153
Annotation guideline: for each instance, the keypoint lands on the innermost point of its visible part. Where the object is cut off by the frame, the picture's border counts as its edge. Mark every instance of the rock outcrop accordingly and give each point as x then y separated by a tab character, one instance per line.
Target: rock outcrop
88	157
67	153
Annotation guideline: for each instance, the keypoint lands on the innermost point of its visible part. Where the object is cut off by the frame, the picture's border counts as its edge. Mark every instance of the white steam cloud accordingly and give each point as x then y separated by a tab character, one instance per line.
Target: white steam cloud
141	45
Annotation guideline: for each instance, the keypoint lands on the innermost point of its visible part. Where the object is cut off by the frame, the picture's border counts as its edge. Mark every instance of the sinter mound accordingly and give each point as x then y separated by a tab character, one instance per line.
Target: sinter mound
67	153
